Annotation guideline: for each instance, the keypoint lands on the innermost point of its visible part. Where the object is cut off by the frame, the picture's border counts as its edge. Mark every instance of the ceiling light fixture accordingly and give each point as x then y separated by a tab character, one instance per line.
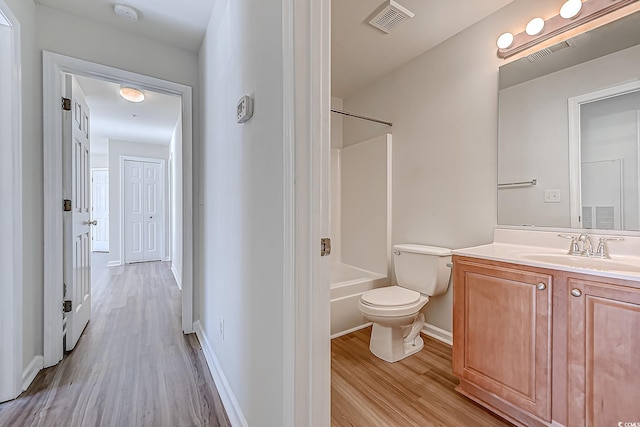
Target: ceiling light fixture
535	26
573	14
132	94
571	9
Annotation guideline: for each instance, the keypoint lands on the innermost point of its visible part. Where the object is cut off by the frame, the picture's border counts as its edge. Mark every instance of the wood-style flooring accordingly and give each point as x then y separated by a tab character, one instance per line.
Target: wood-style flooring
133	366
417	391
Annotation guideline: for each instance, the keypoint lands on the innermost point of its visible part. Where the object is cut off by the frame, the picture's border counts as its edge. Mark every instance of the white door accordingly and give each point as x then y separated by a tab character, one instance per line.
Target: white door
100	209
143	213
77	229
602	195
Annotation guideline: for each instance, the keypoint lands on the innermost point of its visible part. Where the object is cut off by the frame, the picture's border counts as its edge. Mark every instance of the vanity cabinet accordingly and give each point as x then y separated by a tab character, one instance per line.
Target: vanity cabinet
503	317
516	327
603	353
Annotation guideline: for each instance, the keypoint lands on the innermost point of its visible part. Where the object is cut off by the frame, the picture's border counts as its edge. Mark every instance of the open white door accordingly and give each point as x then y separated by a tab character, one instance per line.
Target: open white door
77	225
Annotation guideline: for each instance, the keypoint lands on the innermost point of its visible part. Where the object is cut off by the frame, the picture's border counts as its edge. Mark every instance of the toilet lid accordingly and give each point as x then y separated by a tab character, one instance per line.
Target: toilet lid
391	296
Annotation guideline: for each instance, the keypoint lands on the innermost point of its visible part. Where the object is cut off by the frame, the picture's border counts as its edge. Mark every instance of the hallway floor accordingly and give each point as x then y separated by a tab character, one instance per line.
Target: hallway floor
133	366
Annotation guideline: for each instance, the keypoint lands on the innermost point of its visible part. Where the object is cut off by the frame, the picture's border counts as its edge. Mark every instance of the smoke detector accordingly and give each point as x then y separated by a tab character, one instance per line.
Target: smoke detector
390	16
126	12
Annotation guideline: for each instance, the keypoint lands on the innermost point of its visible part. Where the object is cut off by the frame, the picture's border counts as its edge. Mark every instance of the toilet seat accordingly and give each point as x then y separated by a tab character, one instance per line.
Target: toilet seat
392	301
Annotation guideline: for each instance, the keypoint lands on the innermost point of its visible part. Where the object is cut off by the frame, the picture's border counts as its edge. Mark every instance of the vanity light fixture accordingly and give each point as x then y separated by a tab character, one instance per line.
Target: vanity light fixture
571	9
505	41
535	26
573	14
131	94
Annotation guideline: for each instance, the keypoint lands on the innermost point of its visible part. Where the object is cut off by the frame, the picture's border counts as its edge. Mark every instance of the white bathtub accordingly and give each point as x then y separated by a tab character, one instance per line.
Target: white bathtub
348	283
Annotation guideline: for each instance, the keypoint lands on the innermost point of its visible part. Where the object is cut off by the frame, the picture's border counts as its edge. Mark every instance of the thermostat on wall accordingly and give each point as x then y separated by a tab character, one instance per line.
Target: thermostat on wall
245	109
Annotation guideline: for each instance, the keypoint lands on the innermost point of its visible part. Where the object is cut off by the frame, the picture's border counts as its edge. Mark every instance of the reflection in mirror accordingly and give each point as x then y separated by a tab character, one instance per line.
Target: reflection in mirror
569	132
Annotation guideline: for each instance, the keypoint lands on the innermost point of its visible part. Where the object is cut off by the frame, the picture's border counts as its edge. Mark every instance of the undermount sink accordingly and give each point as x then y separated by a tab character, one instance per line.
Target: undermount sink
584	262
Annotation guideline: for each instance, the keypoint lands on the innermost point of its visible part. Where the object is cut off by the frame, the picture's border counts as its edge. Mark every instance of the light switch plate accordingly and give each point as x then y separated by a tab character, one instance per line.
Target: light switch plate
552	196
244	111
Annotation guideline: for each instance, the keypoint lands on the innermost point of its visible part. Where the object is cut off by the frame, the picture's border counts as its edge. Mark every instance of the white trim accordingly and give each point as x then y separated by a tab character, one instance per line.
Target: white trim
575	178
91	171
116	263
437	333
30	372
162	202
176	276
348	331
11	324
53	66
229	401
306	112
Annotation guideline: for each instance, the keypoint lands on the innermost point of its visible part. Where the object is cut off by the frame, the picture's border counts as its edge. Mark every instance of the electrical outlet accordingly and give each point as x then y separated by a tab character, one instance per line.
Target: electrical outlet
221	325
552	196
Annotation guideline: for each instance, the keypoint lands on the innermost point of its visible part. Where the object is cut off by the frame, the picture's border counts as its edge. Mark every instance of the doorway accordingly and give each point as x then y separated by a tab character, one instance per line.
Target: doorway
53	66
100	209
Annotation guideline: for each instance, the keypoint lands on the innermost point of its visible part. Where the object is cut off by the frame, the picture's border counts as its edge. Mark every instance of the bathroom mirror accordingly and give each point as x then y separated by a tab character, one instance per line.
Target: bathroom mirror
569	132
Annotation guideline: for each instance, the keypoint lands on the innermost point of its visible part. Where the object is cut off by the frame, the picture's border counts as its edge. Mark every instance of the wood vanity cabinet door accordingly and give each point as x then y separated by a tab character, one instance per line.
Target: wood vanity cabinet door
603	354
502	333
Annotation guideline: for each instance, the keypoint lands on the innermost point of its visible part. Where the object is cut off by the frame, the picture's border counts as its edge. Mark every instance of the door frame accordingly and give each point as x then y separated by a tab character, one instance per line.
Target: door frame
11	327
165	196
91	171
575	159
53	66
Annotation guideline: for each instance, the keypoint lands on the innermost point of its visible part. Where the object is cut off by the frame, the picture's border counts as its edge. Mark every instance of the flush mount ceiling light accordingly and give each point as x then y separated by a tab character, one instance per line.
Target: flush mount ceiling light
131	94
570	9
535	26
573	14
126	12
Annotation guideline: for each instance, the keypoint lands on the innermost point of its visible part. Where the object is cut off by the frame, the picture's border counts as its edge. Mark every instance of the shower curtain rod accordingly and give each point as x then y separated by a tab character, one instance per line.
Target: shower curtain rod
345	113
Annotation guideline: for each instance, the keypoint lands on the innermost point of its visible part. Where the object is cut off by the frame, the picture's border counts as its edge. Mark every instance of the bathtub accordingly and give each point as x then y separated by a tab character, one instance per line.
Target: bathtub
348	283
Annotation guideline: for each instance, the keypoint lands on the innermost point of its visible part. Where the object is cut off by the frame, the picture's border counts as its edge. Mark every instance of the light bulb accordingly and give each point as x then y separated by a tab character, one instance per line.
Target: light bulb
132	94
505	41
535	26
570	8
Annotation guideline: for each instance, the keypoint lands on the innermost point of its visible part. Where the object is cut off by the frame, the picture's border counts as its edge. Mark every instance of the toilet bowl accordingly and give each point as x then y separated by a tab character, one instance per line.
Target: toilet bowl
421	271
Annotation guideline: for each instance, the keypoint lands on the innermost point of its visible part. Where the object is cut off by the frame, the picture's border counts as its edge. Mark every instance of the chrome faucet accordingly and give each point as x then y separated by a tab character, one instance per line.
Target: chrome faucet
587	246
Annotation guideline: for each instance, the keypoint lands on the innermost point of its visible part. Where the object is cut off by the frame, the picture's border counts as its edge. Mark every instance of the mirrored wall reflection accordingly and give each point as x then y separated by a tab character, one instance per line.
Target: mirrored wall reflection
609	150
572	173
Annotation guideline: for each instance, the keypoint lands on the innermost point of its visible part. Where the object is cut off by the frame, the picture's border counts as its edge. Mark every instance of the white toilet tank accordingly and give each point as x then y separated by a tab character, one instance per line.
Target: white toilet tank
422	268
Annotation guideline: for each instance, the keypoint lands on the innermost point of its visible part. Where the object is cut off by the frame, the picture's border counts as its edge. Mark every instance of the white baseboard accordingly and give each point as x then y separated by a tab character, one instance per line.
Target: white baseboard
116	263
176	276
229	401
30	372
437	333
348	331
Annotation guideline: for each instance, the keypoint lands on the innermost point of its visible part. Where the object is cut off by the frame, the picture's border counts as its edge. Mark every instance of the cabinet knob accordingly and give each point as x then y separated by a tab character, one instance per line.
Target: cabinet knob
576	292
541	286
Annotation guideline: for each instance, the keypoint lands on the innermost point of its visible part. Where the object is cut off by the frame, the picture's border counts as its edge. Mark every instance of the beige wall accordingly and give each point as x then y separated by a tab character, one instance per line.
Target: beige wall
443	106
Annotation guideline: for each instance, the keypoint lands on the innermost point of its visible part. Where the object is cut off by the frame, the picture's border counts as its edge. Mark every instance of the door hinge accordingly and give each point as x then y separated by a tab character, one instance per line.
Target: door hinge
66	104
67	306
325	246
66	205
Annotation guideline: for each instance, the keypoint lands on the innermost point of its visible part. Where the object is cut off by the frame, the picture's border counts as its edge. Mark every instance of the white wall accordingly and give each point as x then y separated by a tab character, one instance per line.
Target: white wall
99	161
443	105
335	227
118	149
44	28
175	153
534	136
241	226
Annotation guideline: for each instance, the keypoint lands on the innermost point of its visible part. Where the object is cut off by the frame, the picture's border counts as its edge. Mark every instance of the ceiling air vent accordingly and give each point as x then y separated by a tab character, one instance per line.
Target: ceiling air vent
390	16
551	49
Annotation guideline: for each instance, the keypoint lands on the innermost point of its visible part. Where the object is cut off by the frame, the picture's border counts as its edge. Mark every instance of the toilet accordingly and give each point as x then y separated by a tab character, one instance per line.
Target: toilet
421	272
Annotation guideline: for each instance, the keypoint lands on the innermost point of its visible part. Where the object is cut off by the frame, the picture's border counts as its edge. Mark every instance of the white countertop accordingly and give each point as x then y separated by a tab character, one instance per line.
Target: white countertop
535	248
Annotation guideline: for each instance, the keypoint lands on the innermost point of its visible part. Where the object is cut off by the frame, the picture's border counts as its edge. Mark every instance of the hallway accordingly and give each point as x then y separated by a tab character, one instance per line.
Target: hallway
133	366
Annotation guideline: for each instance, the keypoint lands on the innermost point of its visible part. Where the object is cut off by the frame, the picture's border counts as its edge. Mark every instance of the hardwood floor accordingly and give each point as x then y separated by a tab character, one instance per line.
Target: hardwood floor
132	366
416	391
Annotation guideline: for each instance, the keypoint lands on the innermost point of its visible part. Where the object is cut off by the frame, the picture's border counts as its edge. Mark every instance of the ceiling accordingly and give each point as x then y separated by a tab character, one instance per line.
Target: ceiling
180	23
362	54
151	121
